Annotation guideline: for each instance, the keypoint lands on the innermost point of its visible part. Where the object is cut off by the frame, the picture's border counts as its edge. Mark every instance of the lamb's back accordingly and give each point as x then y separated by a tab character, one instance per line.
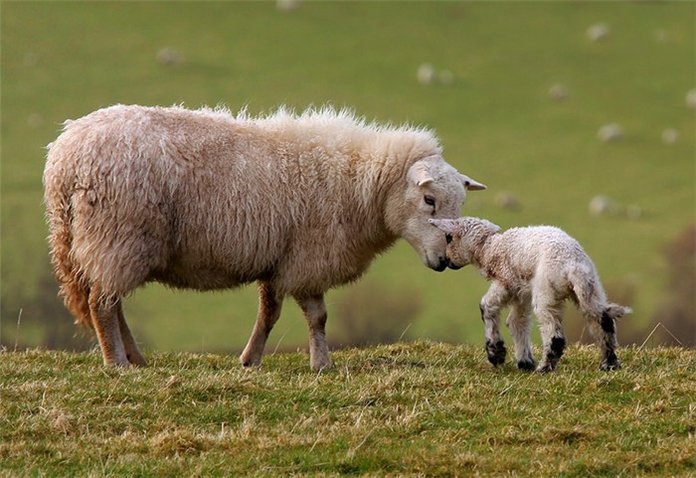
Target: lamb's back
521	251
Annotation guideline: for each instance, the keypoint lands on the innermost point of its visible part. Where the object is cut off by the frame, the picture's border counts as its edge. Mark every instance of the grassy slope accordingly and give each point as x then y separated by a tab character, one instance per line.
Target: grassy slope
62	60
422	408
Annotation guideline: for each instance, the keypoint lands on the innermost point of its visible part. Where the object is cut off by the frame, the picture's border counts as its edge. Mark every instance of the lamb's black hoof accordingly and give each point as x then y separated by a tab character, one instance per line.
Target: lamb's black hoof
526	365
610	365
545	368
496	352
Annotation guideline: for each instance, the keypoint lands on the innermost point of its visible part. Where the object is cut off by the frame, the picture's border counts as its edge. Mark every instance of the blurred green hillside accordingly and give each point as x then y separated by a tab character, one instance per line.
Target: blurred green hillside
494	64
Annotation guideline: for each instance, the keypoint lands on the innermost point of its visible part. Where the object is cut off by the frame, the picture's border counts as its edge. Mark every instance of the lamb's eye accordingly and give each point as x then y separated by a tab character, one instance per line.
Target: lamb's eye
429	200
448	238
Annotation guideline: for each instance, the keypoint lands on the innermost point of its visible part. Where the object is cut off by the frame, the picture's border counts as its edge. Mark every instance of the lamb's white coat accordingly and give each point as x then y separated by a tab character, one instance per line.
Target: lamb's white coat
532	268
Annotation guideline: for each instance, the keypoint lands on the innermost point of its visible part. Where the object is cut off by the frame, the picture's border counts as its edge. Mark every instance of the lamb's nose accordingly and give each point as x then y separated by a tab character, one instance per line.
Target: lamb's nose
442	265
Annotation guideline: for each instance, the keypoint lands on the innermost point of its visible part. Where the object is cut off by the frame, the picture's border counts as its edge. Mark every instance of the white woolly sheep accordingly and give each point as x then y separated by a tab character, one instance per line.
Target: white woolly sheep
610	132
670	136
532	268
691	98
598	32
204	200
558	92
425	74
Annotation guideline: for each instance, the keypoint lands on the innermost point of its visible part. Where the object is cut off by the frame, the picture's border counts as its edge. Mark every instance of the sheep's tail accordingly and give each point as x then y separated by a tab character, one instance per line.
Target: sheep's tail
616	311
591	297
73	287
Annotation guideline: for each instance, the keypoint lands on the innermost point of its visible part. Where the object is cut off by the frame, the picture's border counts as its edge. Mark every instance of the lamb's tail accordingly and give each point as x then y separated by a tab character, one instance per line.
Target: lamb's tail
591	297
73	287
616	311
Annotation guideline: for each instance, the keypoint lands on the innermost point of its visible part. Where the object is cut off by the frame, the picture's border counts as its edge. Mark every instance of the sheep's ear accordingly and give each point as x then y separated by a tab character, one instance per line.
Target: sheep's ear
471	184
448	226
419	174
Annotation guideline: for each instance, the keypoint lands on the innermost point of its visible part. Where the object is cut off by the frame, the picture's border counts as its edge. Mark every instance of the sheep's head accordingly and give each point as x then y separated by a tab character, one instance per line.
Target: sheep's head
464	237
434	189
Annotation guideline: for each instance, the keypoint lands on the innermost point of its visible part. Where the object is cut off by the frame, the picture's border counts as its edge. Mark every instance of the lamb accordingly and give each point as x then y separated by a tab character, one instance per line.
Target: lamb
532	268
204	200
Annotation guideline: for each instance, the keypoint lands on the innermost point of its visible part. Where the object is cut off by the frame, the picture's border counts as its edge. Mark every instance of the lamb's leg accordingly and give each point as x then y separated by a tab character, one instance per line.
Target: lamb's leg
549	312
132	353
315	313
270	304
604	331
104	313
490	306
519	322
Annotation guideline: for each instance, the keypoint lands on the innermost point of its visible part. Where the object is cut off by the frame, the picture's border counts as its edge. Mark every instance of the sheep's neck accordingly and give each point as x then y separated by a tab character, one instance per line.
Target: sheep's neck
482	258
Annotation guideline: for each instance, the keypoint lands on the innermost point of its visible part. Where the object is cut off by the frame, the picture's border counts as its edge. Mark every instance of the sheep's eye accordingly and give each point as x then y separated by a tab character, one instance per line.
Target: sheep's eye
448	238
429	200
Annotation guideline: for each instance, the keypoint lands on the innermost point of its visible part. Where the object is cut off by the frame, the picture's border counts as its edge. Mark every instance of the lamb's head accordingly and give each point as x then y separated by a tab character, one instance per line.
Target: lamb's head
464	237
434	189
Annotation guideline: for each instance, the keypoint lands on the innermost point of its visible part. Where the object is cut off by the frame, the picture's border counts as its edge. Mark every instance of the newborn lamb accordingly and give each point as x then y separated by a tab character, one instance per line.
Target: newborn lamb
535	268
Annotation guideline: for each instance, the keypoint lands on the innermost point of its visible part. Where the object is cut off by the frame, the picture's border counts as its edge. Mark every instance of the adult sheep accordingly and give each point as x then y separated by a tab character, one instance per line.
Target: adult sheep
204	200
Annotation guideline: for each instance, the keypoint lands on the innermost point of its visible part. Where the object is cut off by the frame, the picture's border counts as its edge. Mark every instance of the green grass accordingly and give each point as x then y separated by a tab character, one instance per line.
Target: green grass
418	408
64	59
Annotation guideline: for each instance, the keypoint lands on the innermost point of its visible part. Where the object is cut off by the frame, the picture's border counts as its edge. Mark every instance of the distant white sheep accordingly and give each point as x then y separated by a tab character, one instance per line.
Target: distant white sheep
204	200
603	206
558	92
598	32
532	268
670	136
610	132
691	98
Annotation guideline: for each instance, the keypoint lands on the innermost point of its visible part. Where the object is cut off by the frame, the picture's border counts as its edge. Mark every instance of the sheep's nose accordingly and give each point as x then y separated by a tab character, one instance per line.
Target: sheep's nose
442	265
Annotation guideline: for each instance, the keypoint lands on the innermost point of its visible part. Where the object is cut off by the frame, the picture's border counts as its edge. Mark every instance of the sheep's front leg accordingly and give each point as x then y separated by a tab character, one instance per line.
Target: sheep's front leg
270	304
490	306
519	322
315	313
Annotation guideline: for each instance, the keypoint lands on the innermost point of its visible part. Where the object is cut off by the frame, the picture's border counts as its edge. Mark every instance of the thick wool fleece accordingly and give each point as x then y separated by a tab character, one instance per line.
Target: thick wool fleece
202	199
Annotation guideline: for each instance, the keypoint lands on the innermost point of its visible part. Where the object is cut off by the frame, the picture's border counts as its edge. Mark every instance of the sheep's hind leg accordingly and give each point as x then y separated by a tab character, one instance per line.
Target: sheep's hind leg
519	323
105	319
270	304
490	306
132	353
549	314
315	313
604	331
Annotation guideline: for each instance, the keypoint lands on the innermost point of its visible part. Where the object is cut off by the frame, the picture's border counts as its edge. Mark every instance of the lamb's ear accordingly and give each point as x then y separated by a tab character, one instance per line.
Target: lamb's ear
493	228
419	174
448	226
471	184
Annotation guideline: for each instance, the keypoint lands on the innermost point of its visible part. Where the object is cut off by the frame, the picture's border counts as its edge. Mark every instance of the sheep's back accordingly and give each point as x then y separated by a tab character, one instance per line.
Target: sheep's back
534	250
165	195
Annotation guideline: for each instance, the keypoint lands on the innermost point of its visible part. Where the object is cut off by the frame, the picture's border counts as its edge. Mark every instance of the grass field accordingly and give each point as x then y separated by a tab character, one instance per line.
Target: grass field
64	59
407	409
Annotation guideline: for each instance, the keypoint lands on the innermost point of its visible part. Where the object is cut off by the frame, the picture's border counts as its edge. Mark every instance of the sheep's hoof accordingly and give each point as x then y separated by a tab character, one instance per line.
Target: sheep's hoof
249	362
136	359
608	366
321	367
545	368
496	352
526	365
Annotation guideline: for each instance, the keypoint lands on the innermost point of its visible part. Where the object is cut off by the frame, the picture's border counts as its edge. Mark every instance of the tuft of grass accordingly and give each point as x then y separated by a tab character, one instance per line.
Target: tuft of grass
417	408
